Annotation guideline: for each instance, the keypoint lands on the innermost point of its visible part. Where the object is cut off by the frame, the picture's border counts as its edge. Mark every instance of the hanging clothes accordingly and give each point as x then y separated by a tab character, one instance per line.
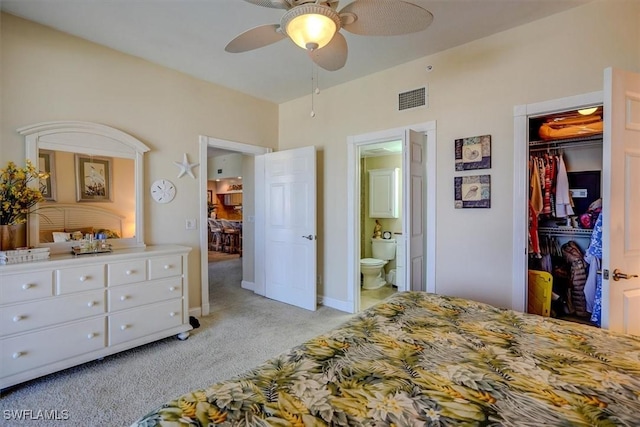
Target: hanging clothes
564	204
535	198
553	165
534	241
593	287
548	179
575	258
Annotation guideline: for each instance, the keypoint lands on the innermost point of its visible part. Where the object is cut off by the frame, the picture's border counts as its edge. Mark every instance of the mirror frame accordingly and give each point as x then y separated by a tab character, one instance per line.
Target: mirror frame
93	139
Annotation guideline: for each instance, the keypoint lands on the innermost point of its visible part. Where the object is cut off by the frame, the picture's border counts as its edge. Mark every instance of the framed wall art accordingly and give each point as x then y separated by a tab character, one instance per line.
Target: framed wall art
472	191
93	178
46	163
473	153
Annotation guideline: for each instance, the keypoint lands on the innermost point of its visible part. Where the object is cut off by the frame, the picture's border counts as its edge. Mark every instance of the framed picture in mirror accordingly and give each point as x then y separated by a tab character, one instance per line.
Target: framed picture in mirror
93	178
46	163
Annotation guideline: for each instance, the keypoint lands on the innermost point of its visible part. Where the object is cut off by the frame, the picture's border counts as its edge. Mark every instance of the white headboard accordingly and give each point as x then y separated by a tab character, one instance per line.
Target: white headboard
76	217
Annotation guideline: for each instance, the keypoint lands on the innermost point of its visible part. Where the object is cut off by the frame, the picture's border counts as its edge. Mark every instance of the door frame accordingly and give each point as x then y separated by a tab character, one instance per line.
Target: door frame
353	203
521	183
205	142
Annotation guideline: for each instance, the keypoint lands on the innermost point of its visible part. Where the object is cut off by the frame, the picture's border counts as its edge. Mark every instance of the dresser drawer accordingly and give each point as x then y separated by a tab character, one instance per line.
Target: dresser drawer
122	273
26	286
84	278
129	296
25	316
29	351
167	266
131	324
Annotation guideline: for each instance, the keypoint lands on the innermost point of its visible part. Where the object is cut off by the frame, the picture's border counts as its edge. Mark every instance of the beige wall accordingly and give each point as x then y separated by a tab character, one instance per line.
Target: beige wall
48	75
472	91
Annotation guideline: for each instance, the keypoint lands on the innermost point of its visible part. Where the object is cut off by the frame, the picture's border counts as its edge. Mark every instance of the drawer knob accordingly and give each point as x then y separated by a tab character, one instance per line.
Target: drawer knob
83	278
173	314
124	298
27	286
123	327
91	303
167	266
17	318
91	335
17	354
172	288
128	272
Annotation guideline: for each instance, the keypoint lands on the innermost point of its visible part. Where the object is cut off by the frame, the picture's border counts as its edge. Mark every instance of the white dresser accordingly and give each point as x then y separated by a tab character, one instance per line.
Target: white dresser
69	309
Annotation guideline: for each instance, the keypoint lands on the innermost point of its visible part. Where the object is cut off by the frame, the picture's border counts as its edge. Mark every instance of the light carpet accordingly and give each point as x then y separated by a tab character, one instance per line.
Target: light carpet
242	331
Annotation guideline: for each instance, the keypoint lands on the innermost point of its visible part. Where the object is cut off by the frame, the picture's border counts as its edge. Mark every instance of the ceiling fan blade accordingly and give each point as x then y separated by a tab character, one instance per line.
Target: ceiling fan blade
333	56
384	17
274	4
255	38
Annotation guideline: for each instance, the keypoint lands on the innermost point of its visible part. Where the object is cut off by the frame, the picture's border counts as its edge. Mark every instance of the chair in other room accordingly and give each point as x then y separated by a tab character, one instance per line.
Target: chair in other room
230	237
215	235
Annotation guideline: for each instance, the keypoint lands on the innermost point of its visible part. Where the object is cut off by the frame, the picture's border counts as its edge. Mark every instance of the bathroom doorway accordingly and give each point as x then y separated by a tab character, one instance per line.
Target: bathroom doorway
380	221
414	259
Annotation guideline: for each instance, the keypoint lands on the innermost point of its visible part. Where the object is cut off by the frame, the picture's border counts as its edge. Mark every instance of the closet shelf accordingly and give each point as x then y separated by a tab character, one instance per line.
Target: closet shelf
566	143
565	231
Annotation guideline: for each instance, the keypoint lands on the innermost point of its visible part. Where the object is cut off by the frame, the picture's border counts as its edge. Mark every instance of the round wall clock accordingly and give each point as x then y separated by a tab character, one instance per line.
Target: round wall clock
163	191
386	235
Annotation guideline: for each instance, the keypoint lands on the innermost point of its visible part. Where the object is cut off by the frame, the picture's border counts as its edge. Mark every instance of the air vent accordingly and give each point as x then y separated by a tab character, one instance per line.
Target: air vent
412	99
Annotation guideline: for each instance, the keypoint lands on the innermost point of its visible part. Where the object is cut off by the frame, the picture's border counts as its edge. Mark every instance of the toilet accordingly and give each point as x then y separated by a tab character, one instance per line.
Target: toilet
372	269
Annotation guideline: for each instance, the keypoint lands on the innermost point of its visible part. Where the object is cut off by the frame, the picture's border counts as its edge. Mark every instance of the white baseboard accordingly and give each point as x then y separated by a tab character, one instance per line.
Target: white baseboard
247	285
345	306
197	311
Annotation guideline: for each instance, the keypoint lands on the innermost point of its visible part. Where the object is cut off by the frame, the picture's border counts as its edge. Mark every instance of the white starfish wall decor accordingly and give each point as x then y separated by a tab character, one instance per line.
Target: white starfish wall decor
185	167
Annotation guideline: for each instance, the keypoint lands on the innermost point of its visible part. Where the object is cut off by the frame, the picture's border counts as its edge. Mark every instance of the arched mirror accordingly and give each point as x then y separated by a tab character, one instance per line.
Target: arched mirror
96	184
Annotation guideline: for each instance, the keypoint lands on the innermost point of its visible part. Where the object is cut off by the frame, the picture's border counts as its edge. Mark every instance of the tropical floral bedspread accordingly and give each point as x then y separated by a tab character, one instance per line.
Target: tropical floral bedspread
419	359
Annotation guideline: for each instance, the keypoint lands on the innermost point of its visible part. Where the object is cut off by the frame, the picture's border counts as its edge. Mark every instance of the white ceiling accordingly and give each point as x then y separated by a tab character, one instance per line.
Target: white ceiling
190	36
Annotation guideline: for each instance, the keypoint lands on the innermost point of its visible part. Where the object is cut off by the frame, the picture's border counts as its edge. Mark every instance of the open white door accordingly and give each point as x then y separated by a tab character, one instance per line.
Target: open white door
621	202
290	227
414	196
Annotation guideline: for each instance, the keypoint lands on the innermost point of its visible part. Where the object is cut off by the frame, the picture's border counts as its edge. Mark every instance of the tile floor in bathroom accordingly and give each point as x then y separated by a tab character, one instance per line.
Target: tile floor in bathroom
369	297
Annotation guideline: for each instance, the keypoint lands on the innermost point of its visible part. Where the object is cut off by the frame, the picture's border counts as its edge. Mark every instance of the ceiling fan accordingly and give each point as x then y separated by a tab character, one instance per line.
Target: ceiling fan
315	25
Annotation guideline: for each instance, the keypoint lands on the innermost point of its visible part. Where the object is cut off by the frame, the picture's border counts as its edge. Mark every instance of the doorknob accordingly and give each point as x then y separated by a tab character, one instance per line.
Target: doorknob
617	275
309	237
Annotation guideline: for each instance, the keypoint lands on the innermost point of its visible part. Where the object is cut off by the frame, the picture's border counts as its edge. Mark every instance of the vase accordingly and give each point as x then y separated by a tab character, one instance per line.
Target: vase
13	236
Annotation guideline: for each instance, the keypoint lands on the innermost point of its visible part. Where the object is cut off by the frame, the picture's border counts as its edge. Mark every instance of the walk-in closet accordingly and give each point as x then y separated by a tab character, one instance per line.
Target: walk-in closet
565	205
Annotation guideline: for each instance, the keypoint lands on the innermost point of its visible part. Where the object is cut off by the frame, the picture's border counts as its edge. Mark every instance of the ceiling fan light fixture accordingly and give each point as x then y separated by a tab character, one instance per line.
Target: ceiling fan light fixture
311	26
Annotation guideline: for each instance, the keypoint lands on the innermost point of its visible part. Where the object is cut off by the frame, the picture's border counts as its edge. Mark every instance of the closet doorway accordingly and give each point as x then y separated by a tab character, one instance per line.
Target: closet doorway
565	175
620	172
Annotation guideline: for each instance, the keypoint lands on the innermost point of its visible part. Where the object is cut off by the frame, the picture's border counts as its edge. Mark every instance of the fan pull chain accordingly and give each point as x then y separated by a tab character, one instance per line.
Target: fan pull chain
313	113
314	88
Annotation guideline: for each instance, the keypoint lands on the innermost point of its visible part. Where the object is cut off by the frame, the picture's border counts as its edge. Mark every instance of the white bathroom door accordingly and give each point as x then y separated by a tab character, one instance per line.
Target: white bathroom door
290	227
414	196
621	202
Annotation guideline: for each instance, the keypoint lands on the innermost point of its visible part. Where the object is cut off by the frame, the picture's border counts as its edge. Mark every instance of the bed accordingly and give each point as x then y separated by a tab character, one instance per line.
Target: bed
420	359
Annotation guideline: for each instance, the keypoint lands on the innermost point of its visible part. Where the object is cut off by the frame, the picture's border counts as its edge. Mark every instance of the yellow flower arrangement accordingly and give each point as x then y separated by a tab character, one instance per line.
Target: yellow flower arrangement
17	194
